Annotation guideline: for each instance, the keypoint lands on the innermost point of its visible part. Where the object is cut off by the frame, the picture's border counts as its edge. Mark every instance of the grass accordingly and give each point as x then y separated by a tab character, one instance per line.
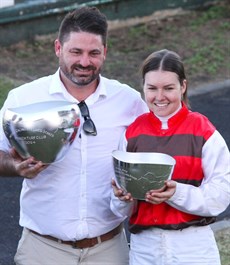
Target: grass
6	85
201	59
214	12
200	37
223	242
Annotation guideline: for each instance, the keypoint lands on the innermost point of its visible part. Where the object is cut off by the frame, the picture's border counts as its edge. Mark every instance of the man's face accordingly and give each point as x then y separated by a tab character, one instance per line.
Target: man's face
81	57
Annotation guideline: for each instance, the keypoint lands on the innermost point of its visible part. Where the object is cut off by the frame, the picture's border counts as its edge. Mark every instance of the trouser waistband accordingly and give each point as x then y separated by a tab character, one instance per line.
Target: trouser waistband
86	242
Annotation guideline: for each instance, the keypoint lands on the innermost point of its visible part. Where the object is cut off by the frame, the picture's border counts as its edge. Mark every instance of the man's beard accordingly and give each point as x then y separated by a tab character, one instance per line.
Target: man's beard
81	79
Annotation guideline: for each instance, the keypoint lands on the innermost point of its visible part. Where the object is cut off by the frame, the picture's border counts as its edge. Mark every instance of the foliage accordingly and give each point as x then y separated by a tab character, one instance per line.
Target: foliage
6	85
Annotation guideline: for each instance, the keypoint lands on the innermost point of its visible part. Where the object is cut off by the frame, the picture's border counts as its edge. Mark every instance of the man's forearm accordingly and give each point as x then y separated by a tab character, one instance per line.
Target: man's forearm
7	167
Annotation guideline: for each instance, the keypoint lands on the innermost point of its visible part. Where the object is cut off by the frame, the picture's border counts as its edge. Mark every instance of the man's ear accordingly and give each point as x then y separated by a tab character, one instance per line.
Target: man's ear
57	47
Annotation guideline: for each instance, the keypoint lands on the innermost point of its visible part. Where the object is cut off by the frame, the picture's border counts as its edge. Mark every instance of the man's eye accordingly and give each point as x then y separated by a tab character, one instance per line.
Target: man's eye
75	52
95	53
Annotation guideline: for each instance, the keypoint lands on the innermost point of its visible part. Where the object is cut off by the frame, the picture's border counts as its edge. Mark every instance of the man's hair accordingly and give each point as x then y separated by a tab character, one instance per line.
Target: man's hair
85	19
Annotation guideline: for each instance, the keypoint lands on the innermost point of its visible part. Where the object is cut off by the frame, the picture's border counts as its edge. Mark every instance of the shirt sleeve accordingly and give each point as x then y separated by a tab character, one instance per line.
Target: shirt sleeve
9	102
212	197
120	208
140	108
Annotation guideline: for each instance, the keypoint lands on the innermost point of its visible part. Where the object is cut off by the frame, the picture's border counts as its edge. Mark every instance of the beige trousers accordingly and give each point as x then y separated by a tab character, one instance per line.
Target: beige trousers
36	250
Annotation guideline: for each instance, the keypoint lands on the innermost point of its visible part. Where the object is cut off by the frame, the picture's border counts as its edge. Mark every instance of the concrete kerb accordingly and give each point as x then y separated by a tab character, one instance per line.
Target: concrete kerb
208	88
220	225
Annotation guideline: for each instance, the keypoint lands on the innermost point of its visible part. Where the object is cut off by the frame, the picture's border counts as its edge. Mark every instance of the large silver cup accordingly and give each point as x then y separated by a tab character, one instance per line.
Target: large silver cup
44	130
138	173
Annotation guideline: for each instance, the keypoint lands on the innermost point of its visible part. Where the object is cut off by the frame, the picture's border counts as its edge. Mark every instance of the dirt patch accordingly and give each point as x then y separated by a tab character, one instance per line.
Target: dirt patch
201	37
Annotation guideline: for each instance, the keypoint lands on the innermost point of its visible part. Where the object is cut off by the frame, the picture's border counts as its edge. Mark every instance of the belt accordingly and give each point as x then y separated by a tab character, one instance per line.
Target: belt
86	242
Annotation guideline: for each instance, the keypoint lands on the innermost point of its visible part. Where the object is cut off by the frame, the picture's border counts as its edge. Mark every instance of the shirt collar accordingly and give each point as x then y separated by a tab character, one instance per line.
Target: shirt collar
100	92
58	87
179	116
166	118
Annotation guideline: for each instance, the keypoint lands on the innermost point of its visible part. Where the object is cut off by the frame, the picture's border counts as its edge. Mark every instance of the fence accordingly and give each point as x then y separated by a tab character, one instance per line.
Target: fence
26	18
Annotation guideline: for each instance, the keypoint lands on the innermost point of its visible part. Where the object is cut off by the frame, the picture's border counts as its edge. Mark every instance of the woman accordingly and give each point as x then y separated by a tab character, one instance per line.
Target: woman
171	226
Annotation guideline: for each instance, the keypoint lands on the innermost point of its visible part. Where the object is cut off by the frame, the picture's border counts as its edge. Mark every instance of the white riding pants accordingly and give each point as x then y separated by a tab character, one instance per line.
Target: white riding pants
190	246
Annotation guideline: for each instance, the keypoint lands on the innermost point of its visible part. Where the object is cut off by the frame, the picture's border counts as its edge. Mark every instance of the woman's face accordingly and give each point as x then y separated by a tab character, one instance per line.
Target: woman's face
163	92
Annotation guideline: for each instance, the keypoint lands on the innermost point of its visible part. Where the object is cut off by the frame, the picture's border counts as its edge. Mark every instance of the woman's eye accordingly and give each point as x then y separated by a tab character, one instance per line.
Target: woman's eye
152	88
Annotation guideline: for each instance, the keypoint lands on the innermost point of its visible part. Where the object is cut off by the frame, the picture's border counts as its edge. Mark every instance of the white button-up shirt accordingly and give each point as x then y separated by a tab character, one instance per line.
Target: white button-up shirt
70	199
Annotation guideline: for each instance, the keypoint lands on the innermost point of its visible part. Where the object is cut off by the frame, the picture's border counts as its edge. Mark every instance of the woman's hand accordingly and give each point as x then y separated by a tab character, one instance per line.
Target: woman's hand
163	194
120	193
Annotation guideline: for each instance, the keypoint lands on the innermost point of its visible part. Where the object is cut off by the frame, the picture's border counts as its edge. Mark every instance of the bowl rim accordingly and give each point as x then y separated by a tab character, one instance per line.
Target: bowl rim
143	157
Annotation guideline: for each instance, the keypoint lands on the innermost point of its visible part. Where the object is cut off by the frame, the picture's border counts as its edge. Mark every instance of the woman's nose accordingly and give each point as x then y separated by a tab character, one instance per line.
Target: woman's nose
160	94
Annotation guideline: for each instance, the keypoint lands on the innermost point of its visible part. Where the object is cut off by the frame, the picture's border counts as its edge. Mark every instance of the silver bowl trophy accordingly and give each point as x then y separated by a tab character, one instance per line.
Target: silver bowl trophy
138	173
44	130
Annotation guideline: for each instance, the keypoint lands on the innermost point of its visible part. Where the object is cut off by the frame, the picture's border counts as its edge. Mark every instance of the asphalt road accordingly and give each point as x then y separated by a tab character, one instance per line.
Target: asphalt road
215	104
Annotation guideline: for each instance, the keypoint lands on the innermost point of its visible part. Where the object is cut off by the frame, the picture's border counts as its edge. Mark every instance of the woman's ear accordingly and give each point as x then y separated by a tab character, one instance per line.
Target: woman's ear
184	86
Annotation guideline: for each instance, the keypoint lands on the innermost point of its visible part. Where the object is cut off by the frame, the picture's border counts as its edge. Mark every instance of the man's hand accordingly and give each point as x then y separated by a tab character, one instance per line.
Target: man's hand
27	168
120	193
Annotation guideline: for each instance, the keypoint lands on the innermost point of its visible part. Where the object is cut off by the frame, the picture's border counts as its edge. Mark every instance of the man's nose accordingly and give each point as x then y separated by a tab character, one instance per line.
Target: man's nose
85	60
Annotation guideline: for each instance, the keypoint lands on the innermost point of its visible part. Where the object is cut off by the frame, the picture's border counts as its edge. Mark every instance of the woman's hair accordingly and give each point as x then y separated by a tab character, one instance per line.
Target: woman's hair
165	60
85	19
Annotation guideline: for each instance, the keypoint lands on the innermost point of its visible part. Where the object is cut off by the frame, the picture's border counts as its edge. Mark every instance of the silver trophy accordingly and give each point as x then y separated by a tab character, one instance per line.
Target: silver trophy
138	173
44	130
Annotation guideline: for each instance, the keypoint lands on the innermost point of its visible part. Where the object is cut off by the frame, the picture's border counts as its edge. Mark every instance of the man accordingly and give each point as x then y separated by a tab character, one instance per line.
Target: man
65	207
